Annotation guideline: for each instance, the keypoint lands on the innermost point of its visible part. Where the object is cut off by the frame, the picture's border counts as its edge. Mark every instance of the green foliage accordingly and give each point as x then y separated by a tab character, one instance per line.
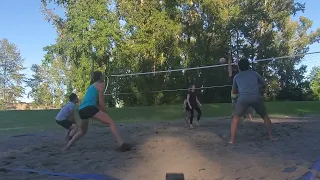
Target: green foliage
119	37
51	81
315	81
11	77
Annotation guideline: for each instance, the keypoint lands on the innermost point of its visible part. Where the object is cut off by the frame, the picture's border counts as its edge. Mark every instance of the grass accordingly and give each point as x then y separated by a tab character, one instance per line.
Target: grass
34	121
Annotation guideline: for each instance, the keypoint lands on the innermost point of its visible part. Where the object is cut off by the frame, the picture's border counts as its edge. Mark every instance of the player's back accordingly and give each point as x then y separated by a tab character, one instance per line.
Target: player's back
248	83
65	111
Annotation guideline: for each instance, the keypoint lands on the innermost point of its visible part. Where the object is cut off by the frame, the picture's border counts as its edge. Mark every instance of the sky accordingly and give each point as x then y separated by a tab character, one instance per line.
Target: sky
26	27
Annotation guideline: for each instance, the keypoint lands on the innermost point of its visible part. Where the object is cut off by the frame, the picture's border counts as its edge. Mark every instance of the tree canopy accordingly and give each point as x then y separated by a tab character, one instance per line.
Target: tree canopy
119	37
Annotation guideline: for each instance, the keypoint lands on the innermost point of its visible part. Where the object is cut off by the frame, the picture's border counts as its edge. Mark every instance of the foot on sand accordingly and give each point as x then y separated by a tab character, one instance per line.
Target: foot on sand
125	147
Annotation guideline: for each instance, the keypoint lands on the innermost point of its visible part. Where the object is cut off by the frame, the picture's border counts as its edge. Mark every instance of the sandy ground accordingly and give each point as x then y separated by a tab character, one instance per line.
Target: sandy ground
160	148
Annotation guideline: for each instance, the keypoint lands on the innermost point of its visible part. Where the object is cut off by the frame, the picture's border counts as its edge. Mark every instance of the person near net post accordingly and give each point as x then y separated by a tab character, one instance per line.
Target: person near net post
193	104
248	84
232	71
65	117
93	106
186	110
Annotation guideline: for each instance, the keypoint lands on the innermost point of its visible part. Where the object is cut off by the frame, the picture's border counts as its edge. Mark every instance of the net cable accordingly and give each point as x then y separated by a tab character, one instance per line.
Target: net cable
193	68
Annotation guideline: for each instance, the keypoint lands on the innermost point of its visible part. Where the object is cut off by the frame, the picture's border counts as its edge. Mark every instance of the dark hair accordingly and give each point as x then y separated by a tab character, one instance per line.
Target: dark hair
96	76
244	64
72	96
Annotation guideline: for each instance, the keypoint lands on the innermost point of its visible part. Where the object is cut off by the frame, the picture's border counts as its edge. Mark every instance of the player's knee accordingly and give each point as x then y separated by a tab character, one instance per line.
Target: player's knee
262	113
83	131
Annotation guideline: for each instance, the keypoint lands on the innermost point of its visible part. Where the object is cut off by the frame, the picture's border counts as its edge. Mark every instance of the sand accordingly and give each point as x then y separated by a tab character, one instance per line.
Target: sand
159	148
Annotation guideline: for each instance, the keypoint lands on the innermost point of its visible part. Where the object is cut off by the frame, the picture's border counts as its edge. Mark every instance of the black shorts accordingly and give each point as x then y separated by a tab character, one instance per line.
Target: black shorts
88	112
187	108
64	123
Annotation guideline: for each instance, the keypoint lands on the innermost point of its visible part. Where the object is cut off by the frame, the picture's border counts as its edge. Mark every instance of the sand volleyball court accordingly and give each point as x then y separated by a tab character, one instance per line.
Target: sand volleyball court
160	148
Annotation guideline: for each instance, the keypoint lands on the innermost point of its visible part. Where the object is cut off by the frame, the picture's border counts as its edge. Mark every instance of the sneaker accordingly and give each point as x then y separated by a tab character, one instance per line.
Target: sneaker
197	123
191	127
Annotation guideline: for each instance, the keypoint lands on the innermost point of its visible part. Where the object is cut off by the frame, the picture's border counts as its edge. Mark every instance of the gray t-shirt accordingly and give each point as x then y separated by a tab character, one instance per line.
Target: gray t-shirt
248	83
65	111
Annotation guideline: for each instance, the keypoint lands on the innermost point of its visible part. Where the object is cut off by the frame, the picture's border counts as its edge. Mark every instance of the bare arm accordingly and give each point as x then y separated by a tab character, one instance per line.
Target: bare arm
261	81
102	105
198	101
229	66
262	84
234	86
71	116
188	96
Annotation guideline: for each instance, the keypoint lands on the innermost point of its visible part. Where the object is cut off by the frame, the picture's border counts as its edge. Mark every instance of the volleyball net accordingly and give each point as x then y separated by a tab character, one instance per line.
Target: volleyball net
169	85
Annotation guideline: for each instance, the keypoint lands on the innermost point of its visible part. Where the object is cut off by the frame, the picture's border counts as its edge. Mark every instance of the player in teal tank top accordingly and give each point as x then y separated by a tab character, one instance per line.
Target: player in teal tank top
93	106
90	99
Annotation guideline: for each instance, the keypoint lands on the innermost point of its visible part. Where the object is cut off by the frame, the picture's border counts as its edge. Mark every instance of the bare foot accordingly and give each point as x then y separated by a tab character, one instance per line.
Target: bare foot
65	149
272	138
231	142
125	147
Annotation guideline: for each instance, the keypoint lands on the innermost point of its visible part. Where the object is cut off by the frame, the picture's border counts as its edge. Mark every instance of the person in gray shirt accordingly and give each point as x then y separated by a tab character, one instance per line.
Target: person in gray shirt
248	84
65	117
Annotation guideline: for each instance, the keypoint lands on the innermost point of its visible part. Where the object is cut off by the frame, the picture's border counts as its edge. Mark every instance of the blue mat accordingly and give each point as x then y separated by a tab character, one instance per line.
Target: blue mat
315	168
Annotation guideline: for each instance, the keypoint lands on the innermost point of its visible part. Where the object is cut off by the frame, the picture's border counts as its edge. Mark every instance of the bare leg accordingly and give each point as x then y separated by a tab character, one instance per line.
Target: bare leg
234	126
68	133
82	131
233	106
186	118
267	123
105	119
250	116
73	130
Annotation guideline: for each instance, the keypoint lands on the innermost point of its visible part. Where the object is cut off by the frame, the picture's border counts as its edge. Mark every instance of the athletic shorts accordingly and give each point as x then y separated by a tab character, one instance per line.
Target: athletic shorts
88	112
64	123
187	108
250	110
244	103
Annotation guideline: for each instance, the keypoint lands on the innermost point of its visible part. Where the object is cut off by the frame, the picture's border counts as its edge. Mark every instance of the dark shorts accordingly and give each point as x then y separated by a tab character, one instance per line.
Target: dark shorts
187	108
194	106
88	112
243	104
64	123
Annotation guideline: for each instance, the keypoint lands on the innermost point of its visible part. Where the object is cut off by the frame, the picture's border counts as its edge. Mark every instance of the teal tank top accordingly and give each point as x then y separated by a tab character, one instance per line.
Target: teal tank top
91	97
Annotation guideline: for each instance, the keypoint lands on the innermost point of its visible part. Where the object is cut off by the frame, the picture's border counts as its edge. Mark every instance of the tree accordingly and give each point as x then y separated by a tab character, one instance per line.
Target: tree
11	77
314	78
121	37
51	81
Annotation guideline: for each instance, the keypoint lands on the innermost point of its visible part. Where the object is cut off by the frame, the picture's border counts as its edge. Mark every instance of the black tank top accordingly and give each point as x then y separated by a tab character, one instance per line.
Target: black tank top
193	98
